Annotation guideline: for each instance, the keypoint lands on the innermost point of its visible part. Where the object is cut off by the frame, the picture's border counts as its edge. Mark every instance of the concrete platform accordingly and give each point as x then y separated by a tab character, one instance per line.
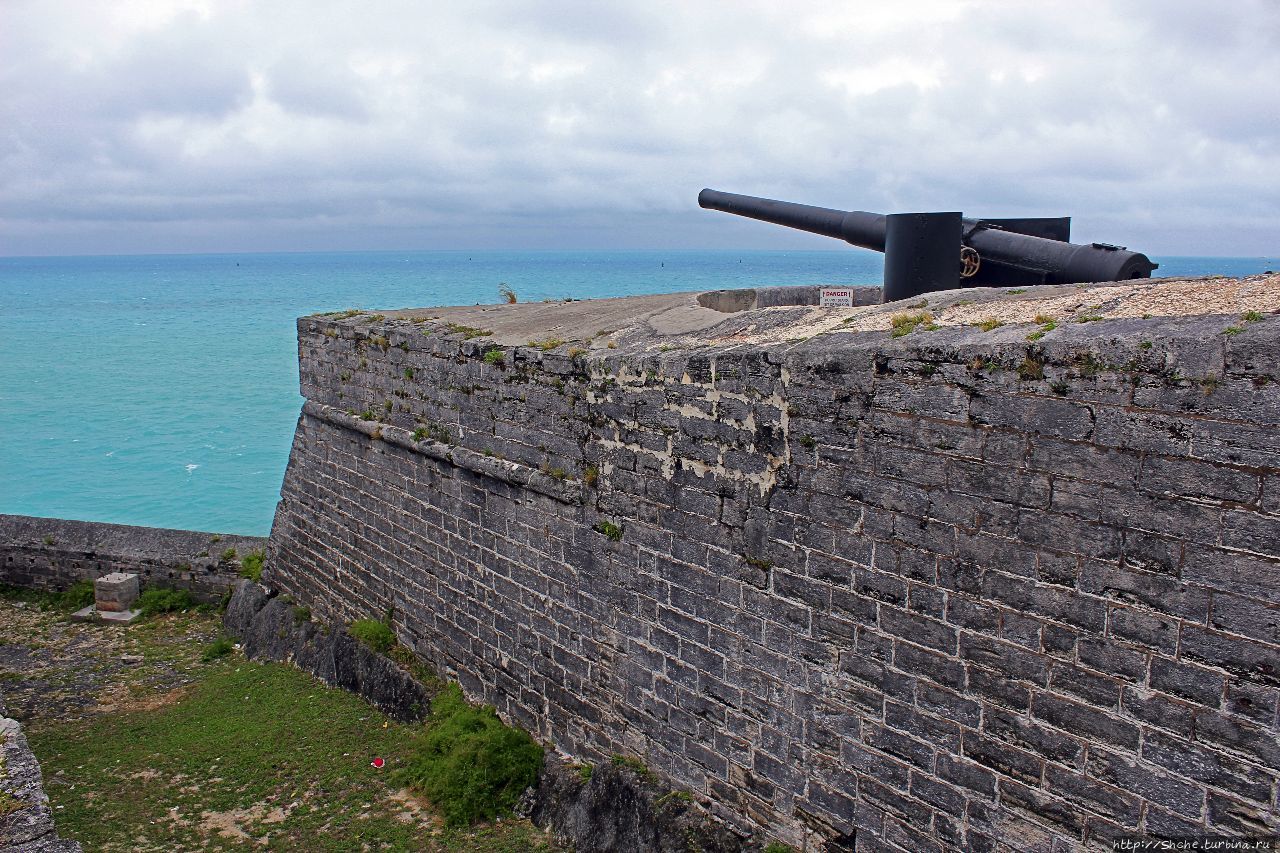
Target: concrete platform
115	617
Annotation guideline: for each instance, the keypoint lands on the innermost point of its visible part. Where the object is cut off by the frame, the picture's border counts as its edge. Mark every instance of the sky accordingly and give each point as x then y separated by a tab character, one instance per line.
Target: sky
305	125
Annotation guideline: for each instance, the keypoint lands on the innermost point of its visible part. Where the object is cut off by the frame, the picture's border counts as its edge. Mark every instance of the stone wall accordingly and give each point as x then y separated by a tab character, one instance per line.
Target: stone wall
958	589
51	553
26	824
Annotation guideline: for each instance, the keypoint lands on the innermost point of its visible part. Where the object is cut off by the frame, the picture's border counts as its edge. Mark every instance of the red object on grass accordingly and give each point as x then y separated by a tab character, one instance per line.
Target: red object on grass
378	763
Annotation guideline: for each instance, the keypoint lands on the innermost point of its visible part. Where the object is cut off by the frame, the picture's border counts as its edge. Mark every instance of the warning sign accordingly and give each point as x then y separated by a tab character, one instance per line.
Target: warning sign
836	297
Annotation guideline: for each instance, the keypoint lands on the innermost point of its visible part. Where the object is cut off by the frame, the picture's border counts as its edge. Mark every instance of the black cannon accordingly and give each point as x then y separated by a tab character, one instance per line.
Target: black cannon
925	252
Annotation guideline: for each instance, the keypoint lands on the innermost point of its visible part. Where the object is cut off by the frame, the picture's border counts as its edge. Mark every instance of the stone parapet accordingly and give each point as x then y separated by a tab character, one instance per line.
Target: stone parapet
52	553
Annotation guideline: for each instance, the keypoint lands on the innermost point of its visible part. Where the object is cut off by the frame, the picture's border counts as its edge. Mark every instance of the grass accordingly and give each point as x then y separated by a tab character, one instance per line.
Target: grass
905	324
1031	370
989	324
375	634
251	752
78	595
547	345
1047	324
228	555
508	295
635	765
218	648
201	750
74	597
156	600
468	763
494	357
467	332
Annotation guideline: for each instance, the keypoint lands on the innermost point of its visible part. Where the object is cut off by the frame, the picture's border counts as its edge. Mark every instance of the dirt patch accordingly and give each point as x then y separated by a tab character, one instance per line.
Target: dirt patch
414	809
122	697
53	668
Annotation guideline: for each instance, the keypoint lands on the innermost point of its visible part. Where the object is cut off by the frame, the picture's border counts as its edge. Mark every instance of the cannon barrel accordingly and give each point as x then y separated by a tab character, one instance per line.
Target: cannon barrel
1006	256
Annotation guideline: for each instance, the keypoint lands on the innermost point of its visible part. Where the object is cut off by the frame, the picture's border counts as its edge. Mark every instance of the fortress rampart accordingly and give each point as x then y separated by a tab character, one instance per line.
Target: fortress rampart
1004	577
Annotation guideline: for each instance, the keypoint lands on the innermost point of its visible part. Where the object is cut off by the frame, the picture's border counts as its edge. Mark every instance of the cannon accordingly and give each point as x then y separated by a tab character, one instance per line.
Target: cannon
926	252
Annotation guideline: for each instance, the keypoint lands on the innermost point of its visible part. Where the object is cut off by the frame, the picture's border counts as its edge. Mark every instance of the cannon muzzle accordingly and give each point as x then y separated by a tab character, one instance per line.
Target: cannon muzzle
941	251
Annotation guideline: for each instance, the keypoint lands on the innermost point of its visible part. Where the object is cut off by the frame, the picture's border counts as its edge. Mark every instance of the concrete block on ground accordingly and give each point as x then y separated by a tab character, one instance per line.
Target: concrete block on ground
116	592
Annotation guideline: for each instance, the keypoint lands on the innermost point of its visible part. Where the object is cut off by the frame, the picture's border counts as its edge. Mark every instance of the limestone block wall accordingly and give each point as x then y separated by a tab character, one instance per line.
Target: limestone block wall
53	553
952	590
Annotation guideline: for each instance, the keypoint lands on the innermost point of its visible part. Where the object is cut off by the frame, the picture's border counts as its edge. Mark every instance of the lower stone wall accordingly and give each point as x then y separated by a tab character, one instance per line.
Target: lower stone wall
28	828
997	587
51	553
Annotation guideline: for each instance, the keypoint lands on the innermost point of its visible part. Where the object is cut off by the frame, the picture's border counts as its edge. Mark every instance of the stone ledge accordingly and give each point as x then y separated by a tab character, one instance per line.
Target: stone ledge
567	491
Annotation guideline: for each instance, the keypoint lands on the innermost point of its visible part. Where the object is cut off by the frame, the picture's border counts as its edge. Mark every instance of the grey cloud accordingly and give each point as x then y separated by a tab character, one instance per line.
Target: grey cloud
275	121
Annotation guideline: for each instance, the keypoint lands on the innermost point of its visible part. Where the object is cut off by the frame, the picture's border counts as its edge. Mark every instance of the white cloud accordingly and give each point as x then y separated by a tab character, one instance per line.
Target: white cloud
243	125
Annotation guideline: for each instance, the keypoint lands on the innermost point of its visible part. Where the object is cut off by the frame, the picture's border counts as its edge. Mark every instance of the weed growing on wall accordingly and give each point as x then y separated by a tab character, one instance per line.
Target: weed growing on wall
609	529
374	634
468	763
251	566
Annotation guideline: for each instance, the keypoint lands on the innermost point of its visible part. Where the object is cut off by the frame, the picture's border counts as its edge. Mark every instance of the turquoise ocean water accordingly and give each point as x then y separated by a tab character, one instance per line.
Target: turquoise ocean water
162	389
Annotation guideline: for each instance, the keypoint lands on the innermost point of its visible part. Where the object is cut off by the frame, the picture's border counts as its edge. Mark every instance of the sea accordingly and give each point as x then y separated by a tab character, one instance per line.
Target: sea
162	390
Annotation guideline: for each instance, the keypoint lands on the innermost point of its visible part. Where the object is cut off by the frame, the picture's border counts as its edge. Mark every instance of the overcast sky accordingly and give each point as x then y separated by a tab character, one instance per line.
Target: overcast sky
174	126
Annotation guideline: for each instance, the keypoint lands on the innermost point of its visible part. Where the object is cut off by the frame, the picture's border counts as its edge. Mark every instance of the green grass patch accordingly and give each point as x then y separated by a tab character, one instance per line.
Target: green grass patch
252	752
8	803
220	647
467	332
251	566
155	600
468	763
494	357
635	765
375	634
989	324
74	597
